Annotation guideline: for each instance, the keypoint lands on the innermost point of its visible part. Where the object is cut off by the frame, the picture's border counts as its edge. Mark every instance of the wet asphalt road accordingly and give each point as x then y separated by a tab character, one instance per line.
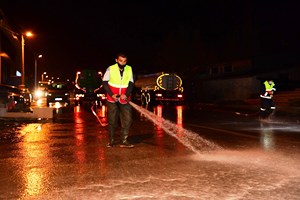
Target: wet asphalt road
180	153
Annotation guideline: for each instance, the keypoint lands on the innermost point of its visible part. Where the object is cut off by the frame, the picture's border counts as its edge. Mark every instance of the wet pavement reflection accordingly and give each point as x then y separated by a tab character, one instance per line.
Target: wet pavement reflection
67	158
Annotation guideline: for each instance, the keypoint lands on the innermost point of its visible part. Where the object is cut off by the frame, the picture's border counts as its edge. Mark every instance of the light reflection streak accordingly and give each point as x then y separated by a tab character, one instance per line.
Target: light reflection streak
79	130
76	109
34	182
179	120
267	136
159	131
35	153
158	112
102	111
180	129
81	152
101	154
102	158
101	114
77	113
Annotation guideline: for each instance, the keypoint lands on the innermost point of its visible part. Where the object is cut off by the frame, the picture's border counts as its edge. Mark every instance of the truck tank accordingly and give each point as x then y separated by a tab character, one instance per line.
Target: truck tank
159	88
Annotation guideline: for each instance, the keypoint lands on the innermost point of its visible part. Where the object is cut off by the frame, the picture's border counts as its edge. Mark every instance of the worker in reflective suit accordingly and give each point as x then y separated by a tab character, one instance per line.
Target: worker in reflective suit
267	104
118	83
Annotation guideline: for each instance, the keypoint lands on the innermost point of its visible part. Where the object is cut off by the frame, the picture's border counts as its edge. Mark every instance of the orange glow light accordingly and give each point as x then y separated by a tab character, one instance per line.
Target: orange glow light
29	34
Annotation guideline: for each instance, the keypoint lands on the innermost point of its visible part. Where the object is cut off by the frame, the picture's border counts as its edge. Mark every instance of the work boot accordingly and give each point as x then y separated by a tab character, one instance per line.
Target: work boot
110	144
126	144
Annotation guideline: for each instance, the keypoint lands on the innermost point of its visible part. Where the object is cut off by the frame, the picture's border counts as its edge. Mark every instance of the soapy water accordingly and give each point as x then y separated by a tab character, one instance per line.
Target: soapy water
189	139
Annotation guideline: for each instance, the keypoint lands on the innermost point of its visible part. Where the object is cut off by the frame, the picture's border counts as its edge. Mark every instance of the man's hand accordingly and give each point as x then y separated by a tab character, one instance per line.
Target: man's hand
123	97
116	97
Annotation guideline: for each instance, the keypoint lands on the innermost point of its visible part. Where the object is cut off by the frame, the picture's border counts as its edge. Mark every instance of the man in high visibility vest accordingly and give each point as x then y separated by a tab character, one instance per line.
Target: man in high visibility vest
118	83
267	103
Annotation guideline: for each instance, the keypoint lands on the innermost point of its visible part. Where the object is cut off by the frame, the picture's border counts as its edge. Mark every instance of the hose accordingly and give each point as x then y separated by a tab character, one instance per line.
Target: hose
93	111
99	120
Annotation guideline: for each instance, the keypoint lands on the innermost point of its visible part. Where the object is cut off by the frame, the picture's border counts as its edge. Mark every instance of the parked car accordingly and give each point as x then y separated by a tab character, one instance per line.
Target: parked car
11	97
58	94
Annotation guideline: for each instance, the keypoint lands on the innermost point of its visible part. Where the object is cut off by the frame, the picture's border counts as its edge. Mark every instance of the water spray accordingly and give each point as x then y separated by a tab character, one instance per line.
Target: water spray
188	138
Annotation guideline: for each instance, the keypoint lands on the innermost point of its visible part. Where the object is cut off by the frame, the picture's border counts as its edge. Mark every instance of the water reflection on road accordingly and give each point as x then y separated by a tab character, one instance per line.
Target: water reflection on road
31	162
67	159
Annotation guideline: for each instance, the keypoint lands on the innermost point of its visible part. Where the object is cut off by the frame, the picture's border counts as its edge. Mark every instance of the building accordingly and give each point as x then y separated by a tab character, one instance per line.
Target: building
238	80
10	53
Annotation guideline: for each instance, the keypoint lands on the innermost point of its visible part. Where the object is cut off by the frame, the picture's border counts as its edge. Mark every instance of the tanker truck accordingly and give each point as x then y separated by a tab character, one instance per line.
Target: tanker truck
89	88
158	88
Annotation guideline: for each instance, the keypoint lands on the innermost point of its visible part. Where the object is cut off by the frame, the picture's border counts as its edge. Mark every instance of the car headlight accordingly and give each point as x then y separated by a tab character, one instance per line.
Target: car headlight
38	93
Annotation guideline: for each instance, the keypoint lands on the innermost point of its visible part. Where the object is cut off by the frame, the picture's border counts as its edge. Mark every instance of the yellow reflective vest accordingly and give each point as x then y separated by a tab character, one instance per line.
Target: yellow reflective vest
118	84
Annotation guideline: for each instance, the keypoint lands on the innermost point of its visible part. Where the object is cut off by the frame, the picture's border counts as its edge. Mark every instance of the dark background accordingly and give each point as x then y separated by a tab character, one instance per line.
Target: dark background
173	36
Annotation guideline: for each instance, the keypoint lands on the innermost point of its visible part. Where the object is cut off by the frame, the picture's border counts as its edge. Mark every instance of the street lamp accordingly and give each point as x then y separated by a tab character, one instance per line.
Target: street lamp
27	34
35	70
43	75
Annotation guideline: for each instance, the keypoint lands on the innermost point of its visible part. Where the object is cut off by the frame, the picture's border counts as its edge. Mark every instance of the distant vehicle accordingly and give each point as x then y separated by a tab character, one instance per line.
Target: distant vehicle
11	97
159	88
89	88
41	90
58	94
27	96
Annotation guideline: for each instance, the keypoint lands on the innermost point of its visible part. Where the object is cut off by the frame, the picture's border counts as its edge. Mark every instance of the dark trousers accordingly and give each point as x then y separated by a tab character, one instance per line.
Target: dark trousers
267	107
115	112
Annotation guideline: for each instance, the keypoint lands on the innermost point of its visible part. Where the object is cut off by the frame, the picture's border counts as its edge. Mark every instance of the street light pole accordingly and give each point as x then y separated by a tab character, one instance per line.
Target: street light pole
23	64
43	75
35	69
28	34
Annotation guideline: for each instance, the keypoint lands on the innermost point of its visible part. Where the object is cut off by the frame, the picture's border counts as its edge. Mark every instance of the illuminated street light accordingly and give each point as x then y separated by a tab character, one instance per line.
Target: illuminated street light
27	34
43	76
15	34
35	69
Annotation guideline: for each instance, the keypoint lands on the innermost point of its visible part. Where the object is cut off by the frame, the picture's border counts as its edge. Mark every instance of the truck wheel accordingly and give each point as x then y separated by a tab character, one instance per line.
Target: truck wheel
148	98
143	99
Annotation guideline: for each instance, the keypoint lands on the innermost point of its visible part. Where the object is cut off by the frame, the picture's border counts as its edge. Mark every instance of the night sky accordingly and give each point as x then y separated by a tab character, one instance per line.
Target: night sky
157	35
